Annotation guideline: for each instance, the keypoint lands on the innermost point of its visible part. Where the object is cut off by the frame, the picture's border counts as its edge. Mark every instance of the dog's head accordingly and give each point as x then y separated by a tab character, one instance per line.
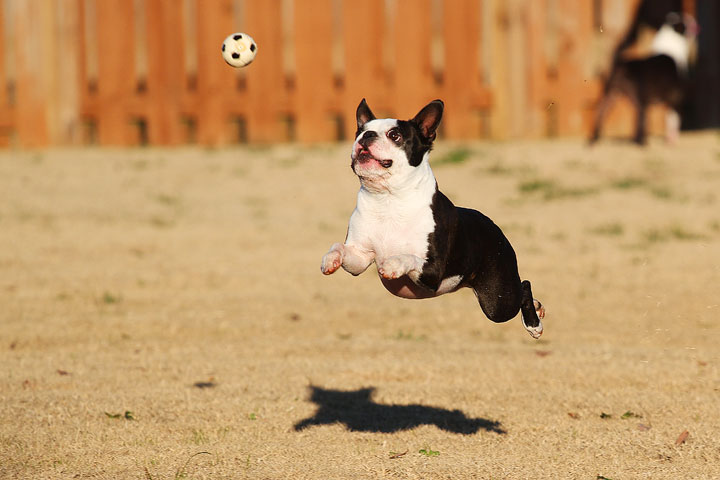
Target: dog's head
683	24
388	151
676	38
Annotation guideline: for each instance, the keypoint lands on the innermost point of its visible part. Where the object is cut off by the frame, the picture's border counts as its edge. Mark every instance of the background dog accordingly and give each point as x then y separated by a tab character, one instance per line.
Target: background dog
660	77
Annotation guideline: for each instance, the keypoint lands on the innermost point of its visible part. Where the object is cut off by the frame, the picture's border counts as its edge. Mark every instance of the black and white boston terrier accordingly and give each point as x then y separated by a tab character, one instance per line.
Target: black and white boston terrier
422	244
661	77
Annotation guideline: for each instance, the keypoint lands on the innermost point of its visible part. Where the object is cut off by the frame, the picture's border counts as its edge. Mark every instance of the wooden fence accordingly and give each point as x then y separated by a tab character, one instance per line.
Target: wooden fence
129	72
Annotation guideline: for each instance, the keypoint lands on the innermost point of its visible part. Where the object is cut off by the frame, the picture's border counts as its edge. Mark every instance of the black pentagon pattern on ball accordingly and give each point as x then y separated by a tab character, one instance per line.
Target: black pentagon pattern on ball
235	55
223	47
252	47
237	37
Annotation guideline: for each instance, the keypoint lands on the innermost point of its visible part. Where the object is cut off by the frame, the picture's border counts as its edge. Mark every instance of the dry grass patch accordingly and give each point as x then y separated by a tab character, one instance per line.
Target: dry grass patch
163	316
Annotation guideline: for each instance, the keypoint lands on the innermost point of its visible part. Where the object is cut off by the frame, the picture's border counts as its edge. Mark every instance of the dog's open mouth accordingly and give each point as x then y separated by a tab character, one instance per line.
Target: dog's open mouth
365	156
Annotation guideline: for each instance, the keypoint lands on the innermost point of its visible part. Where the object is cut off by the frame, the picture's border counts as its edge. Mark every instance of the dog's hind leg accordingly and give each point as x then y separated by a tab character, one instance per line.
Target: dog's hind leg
640	124
501	306
672	126
640	101
532	311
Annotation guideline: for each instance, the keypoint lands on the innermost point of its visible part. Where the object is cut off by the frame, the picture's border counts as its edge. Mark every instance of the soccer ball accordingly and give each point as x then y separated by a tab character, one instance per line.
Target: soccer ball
239	50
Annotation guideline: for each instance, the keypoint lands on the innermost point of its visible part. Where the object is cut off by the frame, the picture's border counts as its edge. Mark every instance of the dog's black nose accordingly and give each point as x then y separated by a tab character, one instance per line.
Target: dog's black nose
367	138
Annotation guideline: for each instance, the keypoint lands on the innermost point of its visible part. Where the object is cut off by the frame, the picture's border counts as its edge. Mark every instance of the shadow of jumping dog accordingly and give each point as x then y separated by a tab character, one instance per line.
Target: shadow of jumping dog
356	410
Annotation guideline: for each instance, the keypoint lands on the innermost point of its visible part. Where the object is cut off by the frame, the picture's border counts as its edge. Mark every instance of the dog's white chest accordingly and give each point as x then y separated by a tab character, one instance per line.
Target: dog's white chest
402	234
388	225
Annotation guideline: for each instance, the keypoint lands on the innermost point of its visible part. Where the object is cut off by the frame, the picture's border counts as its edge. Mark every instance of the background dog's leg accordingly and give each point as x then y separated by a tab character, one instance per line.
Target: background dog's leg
672	126
605	103
640	129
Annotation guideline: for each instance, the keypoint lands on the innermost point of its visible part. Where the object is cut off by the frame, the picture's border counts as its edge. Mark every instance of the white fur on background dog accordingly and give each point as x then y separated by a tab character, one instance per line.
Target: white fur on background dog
676	45
673	44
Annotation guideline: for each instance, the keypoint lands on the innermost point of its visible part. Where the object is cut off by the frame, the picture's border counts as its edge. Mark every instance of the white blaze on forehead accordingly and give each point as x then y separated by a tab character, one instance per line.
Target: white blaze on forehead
382	147
379	125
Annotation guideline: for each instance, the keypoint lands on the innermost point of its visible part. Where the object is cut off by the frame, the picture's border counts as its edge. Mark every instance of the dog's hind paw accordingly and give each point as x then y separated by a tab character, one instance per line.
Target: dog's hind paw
534	332
537	330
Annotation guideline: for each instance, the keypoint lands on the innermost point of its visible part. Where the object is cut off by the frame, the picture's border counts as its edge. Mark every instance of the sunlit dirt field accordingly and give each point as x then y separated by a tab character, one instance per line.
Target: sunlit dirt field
163	316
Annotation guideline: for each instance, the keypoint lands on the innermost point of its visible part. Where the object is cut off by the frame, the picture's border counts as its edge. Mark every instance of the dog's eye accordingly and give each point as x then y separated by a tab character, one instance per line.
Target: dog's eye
394	135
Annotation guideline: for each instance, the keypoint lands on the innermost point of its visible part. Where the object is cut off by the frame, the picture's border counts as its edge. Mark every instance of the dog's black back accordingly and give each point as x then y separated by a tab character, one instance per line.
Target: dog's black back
468	244
652	79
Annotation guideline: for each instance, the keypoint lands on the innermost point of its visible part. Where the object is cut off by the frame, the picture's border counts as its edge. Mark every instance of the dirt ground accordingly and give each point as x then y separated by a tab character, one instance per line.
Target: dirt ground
163	316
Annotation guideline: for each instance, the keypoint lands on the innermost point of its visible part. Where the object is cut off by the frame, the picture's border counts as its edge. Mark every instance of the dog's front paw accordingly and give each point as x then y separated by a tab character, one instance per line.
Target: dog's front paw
395	267
331	261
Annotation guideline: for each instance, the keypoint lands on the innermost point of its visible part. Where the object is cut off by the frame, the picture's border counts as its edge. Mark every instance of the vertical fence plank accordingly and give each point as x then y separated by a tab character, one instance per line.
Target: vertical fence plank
7	112
412	79
216	80
166	74
541	67
461	76
364	76
86	104
30	74
267	96
314	90
115	82
516	74
116	71
575	40
64	118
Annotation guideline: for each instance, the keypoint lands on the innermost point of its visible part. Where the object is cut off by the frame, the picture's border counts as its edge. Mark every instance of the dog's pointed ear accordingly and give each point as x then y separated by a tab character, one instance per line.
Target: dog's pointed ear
429	118
363	114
